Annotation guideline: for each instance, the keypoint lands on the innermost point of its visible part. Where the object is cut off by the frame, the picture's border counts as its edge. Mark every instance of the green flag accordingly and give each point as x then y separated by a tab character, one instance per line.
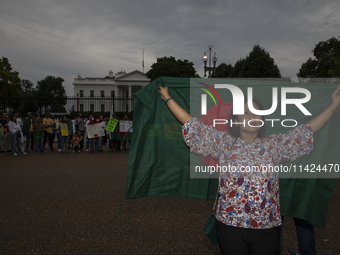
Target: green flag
159	160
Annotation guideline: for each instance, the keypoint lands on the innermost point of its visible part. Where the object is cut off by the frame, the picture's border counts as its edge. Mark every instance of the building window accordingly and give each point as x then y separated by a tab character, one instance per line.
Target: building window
81	93
112	93
91	107
102	93
102	108
91	93
127	94
81	107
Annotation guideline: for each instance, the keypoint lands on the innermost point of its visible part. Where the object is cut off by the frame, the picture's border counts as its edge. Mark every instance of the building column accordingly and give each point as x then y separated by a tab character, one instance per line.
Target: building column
121	95
130	98
116	96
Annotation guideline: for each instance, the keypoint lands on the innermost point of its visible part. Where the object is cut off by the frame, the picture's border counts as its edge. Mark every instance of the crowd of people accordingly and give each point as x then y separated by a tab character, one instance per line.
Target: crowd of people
39	134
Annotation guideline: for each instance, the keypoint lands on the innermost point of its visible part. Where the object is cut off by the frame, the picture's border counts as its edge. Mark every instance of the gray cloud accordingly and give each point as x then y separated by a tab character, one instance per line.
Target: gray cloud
64	38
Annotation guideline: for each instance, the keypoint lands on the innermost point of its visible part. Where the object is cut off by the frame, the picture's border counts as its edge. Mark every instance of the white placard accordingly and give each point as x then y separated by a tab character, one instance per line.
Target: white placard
125	125
95	130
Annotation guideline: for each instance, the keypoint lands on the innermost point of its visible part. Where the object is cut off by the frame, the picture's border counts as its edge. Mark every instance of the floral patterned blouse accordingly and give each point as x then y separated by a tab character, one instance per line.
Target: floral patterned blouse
249	196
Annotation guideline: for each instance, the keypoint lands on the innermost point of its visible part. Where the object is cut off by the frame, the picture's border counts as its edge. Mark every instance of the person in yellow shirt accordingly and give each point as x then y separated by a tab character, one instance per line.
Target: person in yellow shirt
48	124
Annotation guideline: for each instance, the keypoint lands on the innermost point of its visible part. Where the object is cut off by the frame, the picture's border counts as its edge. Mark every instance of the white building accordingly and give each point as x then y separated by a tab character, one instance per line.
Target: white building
97	94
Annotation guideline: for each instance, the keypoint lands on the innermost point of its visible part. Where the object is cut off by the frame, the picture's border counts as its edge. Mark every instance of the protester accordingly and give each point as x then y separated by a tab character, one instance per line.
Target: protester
27	130
15	133
77	141
57	132
20	123
94	140
248	210
101	138
80	123
107	133
113	142
38	131
124	146
70	125
6	138
64	134
87	139
48	130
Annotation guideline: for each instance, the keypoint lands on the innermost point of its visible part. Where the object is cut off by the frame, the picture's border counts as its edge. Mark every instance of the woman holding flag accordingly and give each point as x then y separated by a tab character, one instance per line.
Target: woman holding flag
248	209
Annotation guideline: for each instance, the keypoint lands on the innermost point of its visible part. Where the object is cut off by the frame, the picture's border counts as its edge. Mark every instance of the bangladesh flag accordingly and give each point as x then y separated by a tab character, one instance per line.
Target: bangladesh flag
159	160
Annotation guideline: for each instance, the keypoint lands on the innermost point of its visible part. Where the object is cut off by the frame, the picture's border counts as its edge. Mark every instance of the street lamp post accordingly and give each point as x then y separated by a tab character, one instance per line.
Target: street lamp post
209	69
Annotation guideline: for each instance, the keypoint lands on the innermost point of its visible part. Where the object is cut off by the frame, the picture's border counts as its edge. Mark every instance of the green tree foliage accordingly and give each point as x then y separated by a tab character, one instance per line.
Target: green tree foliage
170	67
29	102
223	70
53	92
325	63
10	87
235	72
335	71
26	87
9	80
259	64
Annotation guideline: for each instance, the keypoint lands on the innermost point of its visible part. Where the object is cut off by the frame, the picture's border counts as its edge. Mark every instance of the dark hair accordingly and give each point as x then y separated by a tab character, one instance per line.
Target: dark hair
235	130
11	117
62	121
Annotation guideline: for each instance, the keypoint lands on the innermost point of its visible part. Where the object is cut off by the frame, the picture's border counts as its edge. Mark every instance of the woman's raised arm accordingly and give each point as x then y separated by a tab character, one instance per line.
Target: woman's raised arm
180	114
319	121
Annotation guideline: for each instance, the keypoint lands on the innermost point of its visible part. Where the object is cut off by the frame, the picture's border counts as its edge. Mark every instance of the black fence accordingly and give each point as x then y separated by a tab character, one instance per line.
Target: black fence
65	105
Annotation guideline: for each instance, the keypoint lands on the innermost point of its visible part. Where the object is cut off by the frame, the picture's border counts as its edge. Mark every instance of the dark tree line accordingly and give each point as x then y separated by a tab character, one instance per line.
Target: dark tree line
21	95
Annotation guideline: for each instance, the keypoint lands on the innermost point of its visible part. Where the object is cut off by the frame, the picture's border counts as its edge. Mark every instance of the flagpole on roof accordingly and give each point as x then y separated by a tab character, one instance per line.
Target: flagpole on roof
143	60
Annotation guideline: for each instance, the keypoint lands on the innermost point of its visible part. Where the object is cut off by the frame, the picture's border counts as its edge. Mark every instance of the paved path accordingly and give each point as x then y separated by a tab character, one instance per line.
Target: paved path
53	203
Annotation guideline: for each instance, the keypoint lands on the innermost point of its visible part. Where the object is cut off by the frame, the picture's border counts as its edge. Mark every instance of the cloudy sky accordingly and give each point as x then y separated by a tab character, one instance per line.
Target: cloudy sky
67	37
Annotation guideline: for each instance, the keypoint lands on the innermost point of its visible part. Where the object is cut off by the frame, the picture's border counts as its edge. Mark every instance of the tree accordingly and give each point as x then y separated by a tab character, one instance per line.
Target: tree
53	92
29	102
335	71
10	87
170	67
235	72
259	64
325	63
26	86
223	70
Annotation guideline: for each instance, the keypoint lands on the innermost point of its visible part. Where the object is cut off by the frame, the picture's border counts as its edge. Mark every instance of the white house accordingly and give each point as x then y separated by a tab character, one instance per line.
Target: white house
98	94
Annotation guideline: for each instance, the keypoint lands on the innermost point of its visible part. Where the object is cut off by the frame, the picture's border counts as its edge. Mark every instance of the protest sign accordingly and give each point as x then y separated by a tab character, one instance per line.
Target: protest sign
64	129
95	130
124	126
111	125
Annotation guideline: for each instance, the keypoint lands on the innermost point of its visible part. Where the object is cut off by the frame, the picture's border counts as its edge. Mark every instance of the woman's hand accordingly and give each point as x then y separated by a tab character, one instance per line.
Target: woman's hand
181	115
164	91
319	121
336	98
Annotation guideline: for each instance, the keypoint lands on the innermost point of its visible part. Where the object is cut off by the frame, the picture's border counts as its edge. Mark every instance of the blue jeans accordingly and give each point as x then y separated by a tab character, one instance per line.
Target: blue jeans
87	143
39	146
16	138
100	143
59	137
64	142
30	138
95	142
305	234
